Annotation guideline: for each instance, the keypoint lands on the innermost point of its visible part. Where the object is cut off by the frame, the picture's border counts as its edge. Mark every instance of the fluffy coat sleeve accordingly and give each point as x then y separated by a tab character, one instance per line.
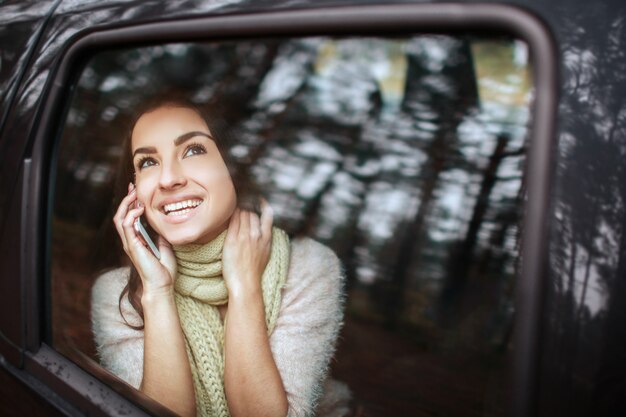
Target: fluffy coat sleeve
303	340
119	346
310	318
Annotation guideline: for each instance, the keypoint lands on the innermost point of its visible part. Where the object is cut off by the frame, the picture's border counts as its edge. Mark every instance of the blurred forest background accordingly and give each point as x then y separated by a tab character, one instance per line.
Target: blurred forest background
405	156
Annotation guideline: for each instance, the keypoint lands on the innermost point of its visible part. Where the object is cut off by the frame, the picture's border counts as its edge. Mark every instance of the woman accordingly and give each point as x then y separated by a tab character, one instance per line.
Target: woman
233	319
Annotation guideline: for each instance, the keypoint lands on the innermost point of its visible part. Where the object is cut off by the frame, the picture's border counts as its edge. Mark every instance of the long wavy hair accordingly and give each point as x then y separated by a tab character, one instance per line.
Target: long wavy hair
248	196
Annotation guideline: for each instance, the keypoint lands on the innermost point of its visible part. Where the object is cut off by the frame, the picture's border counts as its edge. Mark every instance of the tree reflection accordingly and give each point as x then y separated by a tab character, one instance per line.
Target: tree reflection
588	251
403	155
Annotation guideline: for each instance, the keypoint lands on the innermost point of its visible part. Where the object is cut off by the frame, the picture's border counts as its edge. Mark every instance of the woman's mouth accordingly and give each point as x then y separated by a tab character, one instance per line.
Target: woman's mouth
181	207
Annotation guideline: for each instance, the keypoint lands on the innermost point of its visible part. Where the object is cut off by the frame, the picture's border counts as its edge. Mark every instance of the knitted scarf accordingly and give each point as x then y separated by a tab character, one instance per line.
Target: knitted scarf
200	288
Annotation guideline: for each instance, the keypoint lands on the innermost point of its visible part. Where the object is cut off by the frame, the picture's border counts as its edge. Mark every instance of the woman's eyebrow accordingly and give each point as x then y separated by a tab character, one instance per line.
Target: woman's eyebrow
177	142
145	149
186	136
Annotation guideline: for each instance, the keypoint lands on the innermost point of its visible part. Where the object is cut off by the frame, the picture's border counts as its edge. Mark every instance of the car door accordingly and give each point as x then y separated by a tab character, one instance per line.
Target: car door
416	172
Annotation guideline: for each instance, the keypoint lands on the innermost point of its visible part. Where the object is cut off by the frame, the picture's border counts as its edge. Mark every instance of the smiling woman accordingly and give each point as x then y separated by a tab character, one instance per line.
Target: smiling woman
222	323
178	165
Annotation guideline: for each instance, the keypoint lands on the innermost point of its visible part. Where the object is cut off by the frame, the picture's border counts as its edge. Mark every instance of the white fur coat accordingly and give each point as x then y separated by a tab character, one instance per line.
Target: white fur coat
302	342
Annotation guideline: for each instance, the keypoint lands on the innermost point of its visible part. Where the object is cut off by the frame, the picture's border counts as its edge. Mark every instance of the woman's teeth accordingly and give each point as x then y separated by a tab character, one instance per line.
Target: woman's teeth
181	207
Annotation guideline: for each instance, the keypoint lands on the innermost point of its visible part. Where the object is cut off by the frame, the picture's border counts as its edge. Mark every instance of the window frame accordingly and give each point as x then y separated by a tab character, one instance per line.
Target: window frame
80	386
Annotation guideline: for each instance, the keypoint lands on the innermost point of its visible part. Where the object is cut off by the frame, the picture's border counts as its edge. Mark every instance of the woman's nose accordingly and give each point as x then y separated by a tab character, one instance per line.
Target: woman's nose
172	176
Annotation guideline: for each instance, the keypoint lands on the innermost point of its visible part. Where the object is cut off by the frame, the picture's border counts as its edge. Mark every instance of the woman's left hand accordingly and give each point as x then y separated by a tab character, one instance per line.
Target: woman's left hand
252	382
247	250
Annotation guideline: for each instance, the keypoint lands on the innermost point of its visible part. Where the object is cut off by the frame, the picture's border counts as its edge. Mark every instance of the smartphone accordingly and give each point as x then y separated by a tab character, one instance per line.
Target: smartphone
142	231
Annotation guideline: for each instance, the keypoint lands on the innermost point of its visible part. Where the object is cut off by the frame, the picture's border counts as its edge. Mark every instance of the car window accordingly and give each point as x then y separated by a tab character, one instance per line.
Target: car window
405	155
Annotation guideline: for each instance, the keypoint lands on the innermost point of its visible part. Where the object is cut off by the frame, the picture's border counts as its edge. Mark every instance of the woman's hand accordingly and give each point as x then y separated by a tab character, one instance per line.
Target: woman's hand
252	382
155	275
166	372
247	250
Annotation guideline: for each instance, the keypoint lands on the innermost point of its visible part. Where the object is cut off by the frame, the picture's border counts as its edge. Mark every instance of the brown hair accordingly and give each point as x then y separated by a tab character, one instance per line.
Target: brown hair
248	196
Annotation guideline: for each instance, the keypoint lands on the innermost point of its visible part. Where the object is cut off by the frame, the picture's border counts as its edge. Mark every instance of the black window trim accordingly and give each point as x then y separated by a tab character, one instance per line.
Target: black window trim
361	20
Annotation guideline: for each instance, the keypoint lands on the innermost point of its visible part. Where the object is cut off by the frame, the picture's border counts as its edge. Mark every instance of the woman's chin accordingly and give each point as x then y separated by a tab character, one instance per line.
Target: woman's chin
193	232
186	237
177	240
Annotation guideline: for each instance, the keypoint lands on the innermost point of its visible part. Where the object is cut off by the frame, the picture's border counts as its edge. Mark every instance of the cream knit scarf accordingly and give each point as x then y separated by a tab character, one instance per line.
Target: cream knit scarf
200	288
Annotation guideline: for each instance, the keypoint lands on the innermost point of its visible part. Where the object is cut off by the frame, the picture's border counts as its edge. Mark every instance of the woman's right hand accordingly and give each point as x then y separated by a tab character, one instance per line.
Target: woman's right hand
156	275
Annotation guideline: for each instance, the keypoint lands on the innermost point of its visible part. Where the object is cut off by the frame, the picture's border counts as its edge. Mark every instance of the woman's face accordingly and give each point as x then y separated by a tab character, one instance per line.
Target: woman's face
180	176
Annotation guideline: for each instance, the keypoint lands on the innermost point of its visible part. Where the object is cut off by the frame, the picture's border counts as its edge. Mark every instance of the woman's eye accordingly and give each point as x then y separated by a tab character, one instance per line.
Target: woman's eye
194	150
145	163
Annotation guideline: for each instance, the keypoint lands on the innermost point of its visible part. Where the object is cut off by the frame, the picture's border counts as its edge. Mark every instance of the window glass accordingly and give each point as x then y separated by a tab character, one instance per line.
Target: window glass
404	155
